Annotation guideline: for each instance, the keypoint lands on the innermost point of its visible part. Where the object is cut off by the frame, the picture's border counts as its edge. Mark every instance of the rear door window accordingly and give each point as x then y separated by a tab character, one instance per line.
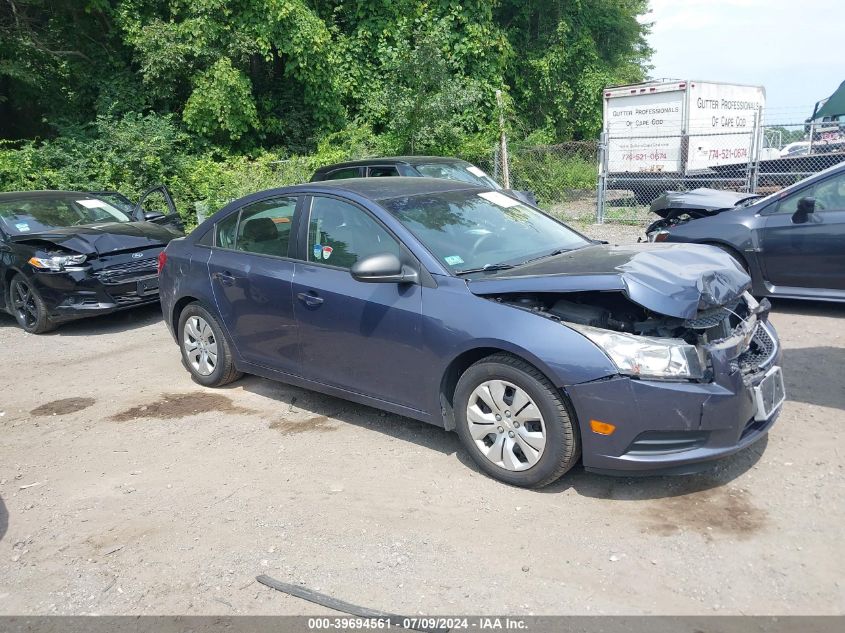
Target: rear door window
383	171
265	227
346	172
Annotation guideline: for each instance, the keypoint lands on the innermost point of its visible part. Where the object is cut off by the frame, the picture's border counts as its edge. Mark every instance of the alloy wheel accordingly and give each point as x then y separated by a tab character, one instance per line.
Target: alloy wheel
24	305
200	345
506	425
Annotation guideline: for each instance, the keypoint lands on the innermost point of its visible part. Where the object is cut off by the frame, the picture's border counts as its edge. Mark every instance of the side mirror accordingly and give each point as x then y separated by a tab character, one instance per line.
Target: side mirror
806	205
152	216
383	268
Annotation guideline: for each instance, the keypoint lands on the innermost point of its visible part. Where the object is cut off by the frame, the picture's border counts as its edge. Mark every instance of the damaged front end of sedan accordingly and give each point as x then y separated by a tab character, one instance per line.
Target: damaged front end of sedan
696	359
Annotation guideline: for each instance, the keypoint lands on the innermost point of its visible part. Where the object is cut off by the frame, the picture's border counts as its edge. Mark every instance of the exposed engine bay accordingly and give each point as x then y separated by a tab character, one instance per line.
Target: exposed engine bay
733	326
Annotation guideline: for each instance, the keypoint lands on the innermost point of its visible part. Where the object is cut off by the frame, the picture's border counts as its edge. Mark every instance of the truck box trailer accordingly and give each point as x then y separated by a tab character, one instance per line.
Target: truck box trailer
658	133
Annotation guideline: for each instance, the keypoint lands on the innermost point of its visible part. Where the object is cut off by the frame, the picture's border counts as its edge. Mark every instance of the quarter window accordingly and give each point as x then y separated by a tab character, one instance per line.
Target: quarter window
339	234
224	236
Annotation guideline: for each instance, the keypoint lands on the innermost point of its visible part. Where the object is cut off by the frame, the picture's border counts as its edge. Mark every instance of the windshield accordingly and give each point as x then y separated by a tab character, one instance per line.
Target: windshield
470	229
463	172
36	215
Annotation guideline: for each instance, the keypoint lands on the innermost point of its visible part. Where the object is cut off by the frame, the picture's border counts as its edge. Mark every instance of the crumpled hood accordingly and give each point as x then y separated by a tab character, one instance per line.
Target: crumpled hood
102	239
702	199
675	280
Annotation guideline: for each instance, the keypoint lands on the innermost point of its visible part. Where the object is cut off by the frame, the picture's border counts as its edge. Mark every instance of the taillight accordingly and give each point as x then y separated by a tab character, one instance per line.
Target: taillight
162	260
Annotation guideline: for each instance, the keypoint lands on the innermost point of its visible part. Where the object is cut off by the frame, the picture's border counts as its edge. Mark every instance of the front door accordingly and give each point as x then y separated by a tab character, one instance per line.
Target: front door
251	277
362	337
807	250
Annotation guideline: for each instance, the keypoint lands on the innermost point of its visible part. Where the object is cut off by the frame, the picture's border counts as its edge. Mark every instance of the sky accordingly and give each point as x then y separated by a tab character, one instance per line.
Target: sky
793	49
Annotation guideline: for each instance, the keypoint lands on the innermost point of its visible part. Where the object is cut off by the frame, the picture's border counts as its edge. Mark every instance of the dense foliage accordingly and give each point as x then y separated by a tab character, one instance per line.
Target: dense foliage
118	93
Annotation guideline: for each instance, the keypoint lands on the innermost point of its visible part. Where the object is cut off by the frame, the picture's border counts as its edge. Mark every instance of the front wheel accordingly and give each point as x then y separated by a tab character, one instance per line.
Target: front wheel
28	307
205	351
514	423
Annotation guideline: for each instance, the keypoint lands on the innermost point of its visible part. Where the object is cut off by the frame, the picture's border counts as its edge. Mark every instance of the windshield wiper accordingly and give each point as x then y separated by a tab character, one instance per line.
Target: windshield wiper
484	269
558	251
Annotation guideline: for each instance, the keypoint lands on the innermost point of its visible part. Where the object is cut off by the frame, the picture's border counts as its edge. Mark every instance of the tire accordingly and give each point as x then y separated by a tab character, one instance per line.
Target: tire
212	363
28	307
517	430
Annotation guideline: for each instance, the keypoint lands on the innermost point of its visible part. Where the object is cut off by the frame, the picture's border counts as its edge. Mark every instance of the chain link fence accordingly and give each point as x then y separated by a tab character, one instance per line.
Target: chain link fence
562	177
616	179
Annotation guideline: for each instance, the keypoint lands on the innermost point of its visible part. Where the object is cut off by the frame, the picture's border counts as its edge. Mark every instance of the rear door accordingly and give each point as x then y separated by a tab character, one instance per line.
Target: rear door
251	276
807	252
362	337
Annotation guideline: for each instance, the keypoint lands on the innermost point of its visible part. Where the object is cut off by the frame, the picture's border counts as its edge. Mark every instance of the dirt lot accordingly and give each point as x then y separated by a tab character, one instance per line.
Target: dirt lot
125	488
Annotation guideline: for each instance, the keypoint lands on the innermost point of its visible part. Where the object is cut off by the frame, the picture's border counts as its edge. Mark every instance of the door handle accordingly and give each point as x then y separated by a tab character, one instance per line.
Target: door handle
226	278
309	299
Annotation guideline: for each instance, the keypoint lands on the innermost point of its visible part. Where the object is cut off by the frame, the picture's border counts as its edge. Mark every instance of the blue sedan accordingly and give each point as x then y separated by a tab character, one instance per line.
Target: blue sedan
465	308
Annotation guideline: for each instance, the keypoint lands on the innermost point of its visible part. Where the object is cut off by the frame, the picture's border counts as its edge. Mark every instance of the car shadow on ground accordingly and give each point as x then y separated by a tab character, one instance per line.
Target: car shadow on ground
813	376
4	519
316	410
801	307
105	324
305	411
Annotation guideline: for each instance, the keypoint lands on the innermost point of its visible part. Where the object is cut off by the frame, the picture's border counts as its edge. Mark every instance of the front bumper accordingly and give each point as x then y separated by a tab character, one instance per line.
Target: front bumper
673	427
74	294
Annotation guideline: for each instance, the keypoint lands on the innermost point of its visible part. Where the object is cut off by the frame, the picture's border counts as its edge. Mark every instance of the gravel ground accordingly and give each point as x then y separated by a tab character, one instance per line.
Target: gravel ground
125	488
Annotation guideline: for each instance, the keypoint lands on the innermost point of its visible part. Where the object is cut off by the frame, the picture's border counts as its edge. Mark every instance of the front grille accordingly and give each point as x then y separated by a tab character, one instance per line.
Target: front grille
127	271
759	352
709	319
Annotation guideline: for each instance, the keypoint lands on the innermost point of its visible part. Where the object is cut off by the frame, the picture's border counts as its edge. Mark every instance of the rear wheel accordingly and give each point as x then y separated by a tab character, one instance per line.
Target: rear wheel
28	307
514	423
205	351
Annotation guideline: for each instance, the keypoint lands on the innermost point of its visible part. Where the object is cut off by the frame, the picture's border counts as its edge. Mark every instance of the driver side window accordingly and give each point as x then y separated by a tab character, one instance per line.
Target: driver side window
340	233
829	195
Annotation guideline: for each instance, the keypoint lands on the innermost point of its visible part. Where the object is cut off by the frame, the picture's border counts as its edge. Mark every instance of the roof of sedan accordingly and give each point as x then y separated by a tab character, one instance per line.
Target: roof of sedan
33	195
382	160
394	187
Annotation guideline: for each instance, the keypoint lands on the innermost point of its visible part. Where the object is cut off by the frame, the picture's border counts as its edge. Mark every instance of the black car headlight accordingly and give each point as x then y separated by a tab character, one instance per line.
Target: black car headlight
647	357
57	263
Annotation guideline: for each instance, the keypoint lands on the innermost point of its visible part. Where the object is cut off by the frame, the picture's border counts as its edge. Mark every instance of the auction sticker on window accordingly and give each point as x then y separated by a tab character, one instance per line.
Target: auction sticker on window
476	171
453	260
93	204
499	199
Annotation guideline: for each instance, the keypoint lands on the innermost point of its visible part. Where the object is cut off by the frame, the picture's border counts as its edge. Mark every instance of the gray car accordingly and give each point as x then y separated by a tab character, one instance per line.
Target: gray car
792	242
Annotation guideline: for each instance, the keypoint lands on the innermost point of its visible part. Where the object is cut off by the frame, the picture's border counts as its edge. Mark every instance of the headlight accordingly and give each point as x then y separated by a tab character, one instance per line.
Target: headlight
57	262
645	356
658	236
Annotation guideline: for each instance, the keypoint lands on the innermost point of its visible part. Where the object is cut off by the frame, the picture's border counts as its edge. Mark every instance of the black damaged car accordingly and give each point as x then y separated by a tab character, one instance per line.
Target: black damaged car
66	255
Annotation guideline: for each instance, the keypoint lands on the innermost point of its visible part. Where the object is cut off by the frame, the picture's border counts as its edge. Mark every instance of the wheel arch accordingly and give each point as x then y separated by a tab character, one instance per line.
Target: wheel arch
731	249
178	307
460	363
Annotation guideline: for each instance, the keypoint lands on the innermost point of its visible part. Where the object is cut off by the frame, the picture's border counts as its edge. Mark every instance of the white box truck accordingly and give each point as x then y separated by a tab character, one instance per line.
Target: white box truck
665	130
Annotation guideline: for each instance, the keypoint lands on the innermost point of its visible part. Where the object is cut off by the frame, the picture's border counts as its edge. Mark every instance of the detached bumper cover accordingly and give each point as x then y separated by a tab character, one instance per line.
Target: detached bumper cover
673	427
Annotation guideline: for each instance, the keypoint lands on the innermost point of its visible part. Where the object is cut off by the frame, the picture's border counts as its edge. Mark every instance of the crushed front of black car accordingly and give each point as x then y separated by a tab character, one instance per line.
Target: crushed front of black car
82	271
77	285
